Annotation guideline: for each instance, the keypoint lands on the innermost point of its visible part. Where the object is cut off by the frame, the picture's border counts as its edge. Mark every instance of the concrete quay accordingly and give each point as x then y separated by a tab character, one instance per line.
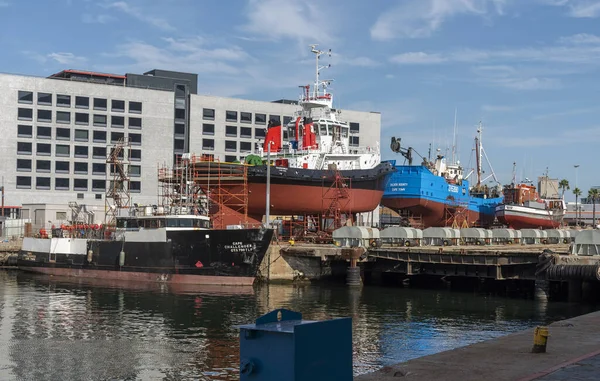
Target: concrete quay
573	353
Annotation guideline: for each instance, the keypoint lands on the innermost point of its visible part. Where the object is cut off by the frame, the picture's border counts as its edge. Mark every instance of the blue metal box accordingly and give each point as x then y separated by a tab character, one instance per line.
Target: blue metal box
281	346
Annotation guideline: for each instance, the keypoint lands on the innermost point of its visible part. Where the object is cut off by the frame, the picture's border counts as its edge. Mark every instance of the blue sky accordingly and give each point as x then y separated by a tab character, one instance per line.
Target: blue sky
528	69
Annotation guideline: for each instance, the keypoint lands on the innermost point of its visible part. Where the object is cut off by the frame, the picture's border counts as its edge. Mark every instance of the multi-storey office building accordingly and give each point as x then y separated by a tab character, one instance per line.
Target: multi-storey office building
56	131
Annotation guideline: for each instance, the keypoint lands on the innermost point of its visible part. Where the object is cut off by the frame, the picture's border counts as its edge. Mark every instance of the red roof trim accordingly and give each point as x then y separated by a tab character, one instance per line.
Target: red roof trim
91	73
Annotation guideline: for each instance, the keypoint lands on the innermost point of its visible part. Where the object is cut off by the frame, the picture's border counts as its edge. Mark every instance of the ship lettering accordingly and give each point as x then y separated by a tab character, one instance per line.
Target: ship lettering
398	184
452	188
239	247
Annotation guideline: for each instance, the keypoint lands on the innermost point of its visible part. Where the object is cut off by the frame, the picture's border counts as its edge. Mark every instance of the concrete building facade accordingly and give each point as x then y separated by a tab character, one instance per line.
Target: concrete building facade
57	131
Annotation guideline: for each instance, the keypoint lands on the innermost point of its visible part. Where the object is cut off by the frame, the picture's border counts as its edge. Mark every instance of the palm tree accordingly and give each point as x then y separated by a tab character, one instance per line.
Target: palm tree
577	193
564	186
594	195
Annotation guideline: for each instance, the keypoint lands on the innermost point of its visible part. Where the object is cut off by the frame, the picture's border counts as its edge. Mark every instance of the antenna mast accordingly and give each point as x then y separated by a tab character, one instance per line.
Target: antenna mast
514	173
318	68
454	139
478	154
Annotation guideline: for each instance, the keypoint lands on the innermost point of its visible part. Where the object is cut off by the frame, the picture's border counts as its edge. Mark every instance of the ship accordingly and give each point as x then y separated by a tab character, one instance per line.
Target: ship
176	246
437	193
523	208
311	155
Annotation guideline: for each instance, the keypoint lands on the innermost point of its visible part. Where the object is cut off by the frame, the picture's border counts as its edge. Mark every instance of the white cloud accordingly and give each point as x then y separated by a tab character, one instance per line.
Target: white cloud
421	18
415	58
96	18
306	21
360	61
580	39
66	58
577	8
497	108
4	4
140	15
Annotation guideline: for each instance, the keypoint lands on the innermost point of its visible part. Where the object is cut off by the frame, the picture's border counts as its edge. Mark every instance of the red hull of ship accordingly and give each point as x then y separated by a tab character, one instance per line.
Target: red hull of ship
433	214
289	199
522	222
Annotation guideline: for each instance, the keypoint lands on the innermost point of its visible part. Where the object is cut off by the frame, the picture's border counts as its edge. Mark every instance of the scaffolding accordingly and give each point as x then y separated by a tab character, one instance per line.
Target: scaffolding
456	214
117	194
336	198
203	185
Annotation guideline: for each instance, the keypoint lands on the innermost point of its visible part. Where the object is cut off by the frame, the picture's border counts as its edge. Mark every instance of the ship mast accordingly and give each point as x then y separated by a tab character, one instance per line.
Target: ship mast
514	173
478	154
454	140
318	82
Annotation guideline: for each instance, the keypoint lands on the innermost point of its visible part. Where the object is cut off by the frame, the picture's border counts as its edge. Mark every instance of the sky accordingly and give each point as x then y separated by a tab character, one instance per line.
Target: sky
526	69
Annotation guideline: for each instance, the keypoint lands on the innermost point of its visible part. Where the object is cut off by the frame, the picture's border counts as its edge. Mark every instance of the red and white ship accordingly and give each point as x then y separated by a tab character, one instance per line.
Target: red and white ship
524	209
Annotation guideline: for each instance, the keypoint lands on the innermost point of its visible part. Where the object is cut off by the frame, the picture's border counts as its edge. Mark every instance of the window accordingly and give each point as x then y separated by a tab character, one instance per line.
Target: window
44	132
24	148
135	154
23	182
354	127
25	114
135	107
42	183
62	150
98	196
354	141
82	135
259	133
179	145
45	99
24	165
43	165
179	114
231	116
208	114
115	136
63	134
24	131
61	184
44	115
81	118
180	90
82	102
245	132
246	117
286	136
80	167
99	152
230	158
117	105
80	184
81	151
63	117
44	149
135	139
245	147
208	144
99	104
276	119
98	185
179	102
135	122
135	170
100	120
98	169
231	131
179	129
117	121
80	196
63	100
260	118
286	120
230	145
25	97
135	186
99	137
208	129
61	166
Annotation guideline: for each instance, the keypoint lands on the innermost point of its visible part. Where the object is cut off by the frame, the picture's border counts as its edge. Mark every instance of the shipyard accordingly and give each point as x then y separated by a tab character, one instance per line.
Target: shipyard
291	198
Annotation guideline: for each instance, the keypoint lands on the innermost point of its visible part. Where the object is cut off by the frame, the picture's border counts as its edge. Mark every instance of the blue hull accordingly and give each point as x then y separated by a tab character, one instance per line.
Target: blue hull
416	189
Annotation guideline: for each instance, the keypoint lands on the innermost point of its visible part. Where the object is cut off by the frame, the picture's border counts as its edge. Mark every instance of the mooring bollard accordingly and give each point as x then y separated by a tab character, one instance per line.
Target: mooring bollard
282	346
540	339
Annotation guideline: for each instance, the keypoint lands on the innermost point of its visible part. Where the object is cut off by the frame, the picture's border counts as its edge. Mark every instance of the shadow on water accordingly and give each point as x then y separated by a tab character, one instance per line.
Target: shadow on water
62	328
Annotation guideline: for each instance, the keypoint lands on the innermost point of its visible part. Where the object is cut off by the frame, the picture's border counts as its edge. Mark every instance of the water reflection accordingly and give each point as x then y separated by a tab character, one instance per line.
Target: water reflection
52	328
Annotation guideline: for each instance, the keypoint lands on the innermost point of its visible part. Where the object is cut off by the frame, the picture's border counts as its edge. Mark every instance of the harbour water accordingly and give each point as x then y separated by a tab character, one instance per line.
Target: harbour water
59	329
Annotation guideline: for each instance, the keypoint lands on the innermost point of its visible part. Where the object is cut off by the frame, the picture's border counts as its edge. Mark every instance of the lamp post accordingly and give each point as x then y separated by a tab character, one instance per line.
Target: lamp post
577	211
268	204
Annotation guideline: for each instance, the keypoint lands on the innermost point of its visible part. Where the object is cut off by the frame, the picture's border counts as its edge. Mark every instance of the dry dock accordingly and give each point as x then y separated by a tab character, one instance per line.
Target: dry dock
573	353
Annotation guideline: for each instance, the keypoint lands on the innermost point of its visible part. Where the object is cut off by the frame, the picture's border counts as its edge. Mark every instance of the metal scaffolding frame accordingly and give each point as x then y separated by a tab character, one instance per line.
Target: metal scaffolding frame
336	198
118	191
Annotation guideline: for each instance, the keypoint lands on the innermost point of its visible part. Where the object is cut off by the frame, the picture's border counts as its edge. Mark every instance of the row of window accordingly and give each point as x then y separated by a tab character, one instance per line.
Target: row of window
43	132
230	145
64	117
63	100
24	182
245	132
63	150
82	168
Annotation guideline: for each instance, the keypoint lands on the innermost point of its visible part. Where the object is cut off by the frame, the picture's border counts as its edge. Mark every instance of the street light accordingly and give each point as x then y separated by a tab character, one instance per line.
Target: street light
577	211
268	200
